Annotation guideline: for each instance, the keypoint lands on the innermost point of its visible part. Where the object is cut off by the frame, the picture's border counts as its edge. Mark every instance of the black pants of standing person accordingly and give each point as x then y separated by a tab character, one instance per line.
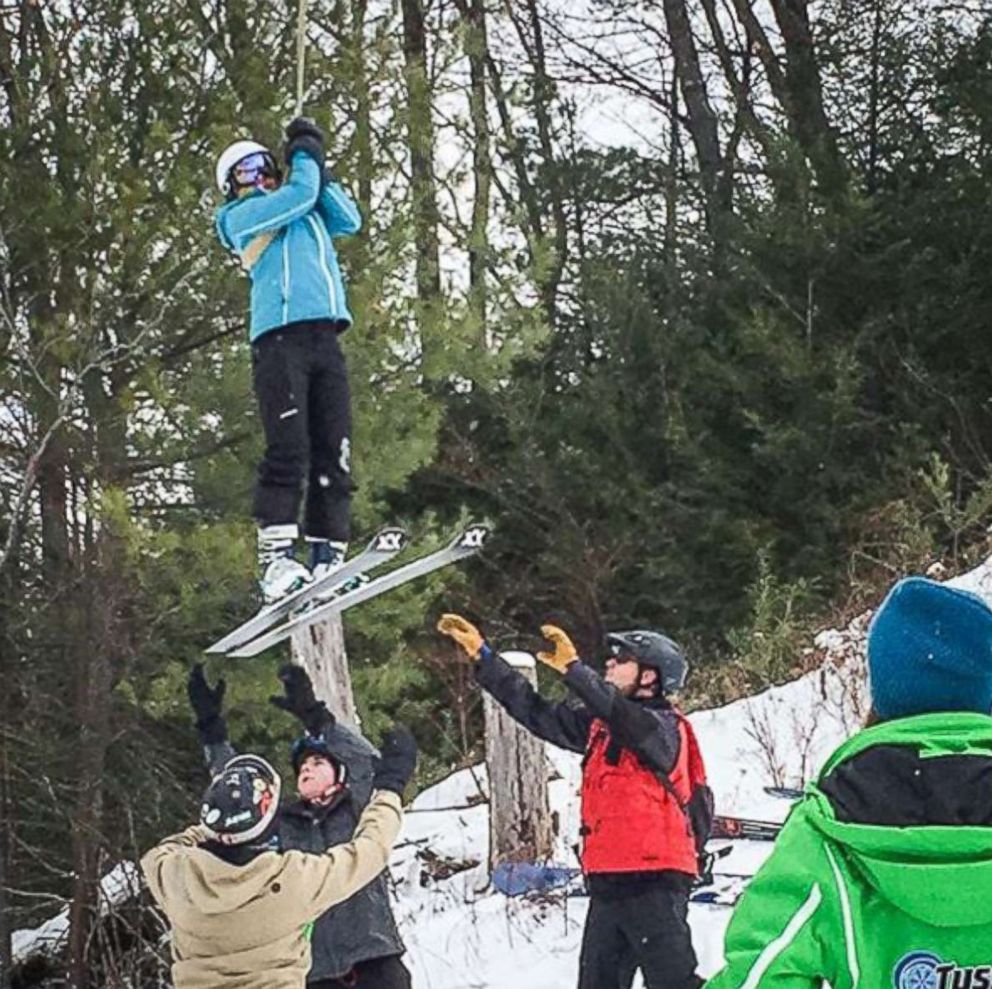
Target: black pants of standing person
301	384
642	926
388	972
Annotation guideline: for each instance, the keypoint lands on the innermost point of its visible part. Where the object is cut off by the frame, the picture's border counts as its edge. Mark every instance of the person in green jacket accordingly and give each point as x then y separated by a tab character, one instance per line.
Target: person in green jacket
882	875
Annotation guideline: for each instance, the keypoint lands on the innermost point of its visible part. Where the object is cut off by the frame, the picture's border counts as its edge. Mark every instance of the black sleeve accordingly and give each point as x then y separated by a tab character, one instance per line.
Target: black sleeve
653	735
217	755
558	724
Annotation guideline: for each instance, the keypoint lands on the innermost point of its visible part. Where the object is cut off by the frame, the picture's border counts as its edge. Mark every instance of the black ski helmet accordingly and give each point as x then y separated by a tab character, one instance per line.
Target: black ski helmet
655	650
307	745
241	801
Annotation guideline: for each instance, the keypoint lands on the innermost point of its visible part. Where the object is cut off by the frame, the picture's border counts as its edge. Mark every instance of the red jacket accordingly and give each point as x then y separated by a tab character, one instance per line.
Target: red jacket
630	823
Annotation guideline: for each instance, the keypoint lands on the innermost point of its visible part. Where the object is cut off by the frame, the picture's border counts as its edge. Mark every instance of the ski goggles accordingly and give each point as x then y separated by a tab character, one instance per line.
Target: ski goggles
253	168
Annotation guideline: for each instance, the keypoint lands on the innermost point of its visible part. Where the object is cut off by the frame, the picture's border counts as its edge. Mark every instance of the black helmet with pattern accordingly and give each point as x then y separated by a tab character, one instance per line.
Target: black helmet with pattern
241	801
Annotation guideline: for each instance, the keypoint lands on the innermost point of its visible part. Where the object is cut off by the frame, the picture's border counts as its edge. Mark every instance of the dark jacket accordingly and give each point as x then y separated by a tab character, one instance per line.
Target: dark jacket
647	728
363	926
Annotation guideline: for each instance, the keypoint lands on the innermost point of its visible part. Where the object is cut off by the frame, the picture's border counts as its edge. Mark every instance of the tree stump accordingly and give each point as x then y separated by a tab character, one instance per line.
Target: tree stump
519	815
319	649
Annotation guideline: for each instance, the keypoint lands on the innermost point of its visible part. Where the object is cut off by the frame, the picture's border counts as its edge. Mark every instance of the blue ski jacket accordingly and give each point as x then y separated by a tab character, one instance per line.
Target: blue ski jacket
297	276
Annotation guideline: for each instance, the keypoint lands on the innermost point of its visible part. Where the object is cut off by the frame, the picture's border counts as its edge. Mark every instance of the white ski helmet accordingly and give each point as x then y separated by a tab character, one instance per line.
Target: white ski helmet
231	156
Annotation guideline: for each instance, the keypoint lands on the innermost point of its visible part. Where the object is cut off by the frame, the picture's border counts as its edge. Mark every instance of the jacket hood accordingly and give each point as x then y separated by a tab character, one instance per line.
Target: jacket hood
910	803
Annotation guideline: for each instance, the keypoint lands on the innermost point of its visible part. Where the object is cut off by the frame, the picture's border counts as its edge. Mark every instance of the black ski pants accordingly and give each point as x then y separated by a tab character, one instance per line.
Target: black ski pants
301	384
644	929
387	972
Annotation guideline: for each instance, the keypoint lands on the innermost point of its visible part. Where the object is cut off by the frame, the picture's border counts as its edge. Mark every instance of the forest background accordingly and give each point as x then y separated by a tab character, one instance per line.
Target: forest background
691	300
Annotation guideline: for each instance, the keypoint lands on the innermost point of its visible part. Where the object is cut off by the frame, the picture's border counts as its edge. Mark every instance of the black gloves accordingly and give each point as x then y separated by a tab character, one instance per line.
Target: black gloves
302	134
207	703
395	766
299	700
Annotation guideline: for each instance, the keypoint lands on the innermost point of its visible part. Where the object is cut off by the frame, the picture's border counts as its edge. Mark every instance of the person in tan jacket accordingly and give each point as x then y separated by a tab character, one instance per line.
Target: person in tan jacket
240	909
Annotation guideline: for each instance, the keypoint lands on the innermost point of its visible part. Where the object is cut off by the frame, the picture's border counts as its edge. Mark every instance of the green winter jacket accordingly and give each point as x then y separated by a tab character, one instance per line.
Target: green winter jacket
882	876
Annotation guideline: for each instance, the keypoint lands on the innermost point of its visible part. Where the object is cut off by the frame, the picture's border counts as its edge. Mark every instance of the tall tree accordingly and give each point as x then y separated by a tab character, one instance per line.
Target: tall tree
420	135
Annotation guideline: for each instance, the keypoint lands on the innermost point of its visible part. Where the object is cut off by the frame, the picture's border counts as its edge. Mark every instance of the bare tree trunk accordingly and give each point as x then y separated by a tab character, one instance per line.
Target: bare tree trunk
94	680
873	99
519	815
420	135
531	38
6	835
702	117
320	650
477	46
363	112
796	85
813	129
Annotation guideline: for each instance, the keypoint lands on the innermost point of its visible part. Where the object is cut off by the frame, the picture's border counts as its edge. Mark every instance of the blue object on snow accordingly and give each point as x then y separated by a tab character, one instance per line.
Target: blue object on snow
517	878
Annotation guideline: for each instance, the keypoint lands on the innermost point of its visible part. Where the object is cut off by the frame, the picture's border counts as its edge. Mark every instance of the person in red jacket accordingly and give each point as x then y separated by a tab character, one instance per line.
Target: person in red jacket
642	772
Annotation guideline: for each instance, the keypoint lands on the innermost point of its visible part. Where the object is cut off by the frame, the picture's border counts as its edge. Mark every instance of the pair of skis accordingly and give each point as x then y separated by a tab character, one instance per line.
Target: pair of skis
344	588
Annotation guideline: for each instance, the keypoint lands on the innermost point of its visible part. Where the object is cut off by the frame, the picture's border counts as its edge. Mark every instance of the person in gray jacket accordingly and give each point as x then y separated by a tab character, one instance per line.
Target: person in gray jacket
355	943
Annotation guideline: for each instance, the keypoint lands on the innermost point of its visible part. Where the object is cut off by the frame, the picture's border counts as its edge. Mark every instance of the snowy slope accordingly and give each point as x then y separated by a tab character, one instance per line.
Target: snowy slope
462	935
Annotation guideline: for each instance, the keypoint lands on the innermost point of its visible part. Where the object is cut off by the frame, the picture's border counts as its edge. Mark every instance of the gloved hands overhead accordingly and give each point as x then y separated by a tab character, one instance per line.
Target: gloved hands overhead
397	761
564	653
299	699
208	704
463	632
303	134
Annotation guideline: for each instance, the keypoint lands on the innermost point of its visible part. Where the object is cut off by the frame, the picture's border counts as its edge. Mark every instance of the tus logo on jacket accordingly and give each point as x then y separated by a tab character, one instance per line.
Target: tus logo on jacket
925	970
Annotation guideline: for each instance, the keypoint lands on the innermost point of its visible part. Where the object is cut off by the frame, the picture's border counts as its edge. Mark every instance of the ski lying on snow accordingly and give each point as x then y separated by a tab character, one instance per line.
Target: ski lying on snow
468	543
384	546
725	890
785	792
742	827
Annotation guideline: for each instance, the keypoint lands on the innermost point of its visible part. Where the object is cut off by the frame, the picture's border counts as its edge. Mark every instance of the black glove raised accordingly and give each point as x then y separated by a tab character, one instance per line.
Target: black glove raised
302	134
207	703
299	699
396	764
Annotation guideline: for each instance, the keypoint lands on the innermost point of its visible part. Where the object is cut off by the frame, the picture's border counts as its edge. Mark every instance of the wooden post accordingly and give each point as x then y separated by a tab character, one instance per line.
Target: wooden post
319	649
519	815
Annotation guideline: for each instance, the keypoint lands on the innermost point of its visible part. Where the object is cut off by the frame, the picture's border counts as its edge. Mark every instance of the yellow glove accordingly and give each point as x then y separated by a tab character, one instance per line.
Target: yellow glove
564	655
463	632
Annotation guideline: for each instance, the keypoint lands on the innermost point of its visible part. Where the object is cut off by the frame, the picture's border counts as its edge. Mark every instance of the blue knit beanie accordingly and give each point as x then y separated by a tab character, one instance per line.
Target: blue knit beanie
929	650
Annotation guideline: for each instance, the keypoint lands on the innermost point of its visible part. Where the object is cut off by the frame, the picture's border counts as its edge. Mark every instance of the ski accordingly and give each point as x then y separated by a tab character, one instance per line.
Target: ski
785	792
468	543
384	546
725	891
742	827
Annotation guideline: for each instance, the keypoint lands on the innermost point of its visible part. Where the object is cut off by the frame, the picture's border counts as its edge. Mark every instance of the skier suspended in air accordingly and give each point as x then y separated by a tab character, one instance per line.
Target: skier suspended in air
645	804
355	944
284	232
882	876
